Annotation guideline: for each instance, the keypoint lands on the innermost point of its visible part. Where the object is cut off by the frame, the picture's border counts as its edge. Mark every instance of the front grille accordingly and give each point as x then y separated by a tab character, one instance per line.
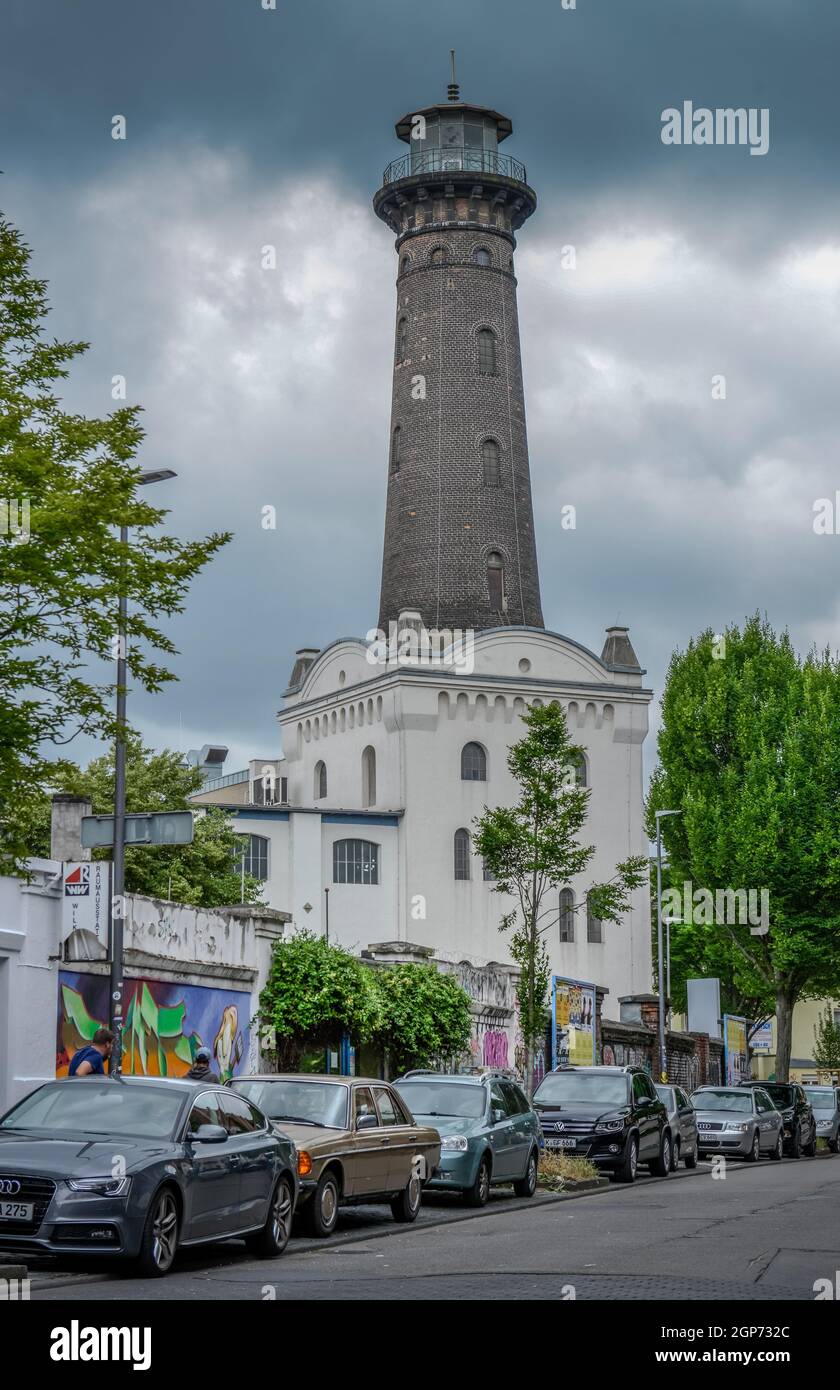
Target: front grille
37	1190
571	1129
707	1125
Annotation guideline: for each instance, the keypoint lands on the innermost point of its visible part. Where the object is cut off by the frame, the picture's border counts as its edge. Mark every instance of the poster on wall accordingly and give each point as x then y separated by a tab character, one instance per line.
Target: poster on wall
736	1056
572	1022
762	1037
84	899
165	1024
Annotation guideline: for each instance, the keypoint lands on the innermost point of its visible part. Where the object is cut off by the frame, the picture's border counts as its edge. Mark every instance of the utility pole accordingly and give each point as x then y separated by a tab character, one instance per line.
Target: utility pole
663	1067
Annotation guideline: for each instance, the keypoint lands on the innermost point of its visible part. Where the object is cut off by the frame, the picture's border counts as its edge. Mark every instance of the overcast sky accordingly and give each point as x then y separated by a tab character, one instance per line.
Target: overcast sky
248	127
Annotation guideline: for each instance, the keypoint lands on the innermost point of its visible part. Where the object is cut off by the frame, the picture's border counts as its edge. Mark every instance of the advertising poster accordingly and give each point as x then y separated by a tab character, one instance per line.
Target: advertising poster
84	900
572	1022
762	1038
736	1055
165	1024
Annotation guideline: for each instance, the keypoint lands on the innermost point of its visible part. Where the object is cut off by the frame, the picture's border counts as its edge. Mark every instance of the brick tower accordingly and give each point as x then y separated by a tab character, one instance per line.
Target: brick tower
459	528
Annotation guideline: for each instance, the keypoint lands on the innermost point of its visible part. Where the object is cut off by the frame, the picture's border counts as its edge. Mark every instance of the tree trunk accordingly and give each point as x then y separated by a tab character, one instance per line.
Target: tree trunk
785	1000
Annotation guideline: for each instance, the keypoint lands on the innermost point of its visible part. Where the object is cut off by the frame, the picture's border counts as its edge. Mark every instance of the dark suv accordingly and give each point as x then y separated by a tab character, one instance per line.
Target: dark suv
610	1115
800	1126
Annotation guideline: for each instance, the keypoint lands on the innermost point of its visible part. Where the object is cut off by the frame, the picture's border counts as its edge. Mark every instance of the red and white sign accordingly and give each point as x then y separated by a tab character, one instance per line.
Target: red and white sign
85	895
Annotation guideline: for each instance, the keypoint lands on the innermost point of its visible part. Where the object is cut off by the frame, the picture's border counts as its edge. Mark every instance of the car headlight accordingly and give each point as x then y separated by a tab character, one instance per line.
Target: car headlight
609	1126
824	1124
737	1129
458	1142
103	1187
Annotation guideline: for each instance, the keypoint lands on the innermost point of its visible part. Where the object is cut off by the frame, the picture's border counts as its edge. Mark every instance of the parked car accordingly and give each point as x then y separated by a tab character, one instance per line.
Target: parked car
489	1134
357	1143
682	1120
200	1164
825	1103
800	1135
610	1115
739	1121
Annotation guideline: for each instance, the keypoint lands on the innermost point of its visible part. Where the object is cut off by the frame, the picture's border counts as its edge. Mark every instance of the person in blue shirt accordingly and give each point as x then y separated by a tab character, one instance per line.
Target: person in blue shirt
90	1060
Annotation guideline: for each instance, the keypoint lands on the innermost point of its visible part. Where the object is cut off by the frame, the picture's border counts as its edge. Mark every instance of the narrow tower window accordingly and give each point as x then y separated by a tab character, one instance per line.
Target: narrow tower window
395	450
486	352
462	854
496	581
473	763
567	915
320	780
491	463
368	777
402	339
594	931
438	256
482	256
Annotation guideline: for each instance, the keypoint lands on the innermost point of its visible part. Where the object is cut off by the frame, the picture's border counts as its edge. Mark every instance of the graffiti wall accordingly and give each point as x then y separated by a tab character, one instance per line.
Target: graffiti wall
165	1024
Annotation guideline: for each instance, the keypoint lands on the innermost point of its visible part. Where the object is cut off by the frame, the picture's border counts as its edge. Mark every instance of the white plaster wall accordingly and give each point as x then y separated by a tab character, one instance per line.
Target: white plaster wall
29	942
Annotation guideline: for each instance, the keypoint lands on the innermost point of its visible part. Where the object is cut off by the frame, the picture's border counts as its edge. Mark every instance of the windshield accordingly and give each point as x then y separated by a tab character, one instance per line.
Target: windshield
781	1096
77	1107
821	1099
567	1087
441	1098
308	1102
723	1100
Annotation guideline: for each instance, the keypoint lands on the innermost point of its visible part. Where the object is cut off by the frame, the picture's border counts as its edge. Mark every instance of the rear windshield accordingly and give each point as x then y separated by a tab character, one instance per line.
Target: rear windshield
443	1098
590	1088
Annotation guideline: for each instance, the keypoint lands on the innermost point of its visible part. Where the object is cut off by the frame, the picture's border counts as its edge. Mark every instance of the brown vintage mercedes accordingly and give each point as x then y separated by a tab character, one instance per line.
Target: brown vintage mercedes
357	1143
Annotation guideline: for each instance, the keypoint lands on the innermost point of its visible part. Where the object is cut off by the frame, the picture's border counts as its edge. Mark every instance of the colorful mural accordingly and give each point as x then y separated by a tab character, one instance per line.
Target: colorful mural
165	1024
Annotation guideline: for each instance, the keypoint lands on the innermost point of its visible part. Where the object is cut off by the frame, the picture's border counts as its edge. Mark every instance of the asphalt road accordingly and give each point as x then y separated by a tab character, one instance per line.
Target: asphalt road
765	1232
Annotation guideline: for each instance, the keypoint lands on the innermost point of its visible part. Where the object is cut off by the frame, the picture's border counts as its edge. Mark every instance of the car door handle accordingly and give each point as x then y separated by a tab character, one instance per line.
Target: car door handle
383	1142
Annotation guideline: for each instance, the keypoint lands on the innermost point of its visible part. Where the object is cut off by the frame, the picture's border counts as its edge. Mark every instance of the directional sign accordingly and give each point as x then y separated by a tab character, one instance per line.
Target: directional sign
150	828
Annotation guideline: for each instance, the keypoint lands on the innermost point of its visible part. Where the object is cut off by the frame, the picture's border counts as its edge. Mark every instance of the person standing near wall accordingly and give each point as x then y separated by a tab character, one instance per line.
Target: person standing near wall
90	1060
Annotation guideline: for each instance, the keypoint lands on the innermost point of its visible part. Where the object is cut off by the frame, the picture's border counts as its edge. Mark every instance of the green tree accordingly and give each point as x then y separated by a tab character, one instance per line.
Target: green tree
827	1043
314	993
532	849
749	750
205	873
424	1016
62	572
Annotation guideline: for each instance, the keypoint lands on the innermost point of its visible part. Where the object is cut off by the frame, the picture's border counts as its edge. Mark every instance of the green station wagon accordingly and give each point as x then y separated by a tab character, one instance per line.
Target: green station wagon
489	1133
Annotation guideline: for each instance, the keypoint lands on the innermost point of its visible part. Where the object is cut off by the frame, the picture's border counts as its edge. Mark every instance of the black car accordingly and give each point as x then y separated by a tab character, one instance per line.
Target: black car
800	1132
137	1167
610	1115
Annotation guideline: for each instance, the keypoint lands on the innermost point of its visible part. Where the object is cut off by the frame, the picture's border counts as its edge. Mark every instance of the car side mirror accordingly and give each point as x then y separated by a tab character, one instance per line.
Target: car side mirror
208	1134
497	1115
367	1122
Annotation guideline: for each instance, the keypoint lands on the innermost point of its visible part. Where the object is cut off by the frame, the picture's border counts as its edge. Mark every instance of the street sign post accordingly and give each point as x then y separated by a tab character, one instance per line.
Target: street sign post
148	828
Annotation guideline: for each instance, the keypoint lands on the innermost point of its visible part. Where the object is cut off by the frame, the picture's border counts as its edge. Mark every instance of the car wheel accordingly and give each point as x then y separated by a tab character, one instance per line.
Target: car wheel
778	1150
795	1149
406	1206
755	1148
630	1162
274	1236
160	1235
810	1150
322	1209
478	1194
527	1186
661	1166
691	1158
675	1155
834	1145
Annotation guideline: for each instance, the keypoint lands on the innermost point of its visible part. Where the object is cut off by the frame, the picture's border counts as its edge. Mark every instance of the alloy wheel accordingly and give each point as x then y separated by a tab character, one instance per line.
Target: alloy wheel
281	1213
164	1231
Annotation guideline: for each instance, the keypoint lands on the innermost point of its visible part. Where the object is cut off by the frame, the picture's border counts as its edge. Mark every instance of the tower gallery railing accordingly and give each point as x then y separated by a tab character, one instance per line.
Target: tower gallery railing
440	161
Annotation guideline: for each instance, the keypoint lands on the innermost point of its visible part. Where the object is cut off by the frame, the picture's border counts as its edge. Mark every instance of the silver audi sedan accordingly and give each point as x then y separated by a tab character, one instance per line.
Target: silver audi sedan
742	1121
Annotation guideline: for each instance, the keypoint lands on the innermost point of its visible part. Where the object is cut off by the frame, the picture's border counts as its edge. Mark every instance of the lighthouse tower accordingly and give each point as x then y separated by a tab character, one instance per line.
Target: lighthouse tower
459	529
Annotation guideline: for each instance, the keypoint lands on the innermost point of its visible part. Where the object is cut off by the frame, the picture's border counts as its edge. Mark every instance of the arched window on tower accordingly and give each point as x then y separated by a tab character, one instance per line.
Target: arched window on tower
405	264
462	854
369	777
486	340
567	915
395	449
473	763
594	925
496	581
491	463
482	256
438	256
402	339
320	788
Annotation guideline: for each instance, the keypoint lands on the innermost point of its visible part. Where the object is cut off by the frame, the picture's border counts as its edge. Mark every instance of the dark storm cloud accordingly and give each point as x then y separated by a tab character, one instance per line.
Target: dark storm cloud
248	127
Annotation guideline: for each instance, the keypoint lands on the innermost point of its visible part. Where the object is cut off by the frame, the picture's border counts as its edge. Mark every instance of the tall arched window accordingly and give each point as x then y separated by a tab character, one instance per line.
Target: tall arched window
567	914
462	854
496	581
395	449
491	463
402	339
255	848
594	925
486	340
438	256
582	770
369	777
473	763
482	256
320	780
355	861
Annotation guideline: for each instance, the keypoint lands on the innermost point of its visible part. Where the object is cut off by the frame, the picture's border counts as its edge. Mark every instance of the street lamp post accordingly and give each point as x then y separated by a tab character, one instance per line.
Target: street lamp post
659	970
116	907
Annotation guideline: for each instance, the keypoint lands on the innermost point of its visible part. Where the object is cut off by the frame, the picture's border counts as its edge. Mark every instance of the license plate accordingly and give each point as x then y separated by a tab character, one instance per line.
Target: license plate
561	1143
17	1211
